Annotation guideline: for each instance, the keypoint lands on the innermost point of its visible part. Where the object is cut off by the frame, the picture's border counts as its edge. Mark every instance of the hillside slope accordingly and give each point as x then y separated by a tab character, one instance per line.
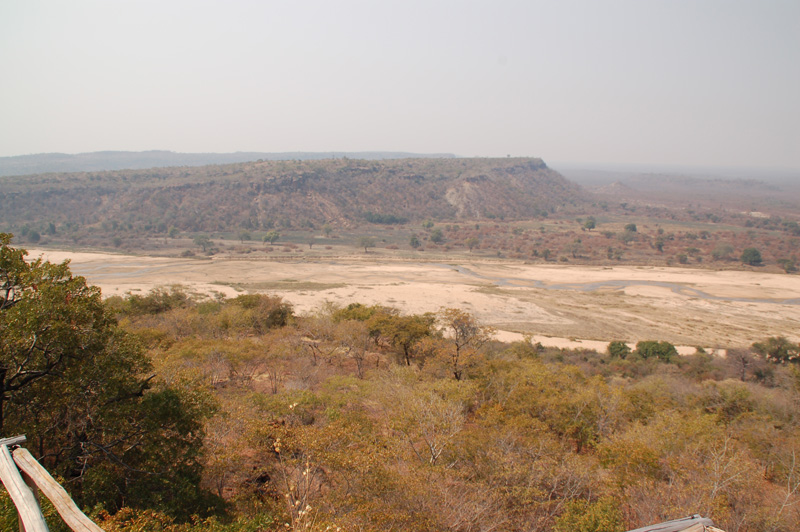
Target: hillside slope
265	194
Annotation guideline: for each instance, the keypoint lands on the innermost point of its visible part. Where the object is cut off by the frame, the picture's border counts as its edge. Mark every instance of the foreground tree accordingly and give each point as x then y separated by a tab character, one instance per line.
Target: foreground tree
81	390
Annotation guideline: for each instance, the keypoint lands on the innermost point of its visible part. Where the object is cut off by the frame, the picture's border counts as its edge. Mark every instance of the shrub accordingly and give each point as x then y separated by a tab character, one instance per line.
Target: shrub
663	351
751	256
619	349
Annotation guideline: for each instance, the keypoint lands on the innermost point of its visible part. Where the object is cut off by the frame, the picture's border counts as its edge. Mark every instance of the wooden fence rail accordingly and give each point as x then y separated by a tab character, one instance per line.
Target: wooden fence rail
30	514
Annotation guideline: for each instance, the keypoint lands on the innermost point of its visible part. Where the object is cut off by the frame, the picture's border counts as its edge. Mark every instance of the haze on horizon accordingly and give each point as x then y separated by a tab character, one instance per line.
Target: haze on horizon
694	83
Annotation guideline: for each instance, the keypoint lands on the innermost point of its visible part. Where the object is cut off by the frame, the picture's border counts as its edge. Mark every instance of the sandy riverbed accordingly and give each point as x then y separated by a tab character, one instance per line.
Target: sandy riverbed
567	306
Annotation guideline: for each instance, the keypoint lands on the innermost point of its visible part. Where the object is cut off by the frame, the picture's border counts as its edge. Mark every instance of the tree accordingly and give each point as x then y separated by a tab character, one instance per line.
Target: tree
663	351
403	332
788	265
47	319
472	242
618	349
751	257
465	335
630	228
203	241
414	241
272	237
722	251
81	389
590	223
437	236
244	235
366	242
778	349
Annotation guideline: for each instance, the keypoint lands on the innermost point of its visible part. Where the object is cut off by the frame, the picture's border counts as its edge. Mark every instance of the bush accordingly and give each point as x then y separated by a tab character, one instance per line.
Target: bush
161	299
585	516
619	349
751	256
663	351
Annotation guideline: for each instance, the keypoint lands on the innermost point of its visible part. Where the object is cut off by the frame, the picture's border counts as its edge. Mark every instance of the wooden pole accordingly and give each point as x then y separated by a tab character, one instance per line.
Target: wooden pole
63	503
29	512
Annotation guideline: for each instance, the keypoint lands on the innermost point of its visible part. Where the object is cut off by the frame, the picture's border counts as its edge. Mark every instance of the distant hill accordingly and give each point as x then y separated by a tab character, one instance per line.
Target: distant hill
125	160
266	194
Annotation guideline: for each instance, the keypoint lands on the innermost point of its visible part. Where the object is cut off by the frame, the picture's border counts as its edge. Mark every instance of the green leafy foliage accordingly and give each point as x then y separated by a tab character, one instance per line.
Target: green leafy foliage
82	390
663	351
618	349
778	349
751	256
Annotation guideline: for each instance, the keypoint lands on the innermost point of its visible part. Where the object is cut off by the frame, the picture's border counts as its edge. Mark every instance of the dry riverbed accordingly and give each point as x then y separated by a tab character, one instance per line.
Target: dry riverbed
566	306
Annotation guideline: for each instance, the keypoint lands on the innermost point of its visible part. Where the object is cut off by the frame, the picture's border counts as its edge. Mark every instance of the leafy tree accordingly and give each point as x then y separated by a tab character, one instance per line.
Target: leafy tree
630	228
751	257
590	223
83	392
356	311
203	241
414	241
778	349
663	351
618	349
366	242
472	242
404	332
627	237
244	235
437	236
272	237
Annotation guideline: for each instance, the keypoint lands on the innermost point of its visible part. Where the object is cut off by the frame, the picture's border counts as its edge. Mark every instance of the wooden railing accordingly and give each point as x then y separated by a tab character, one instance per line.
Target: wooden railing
22	476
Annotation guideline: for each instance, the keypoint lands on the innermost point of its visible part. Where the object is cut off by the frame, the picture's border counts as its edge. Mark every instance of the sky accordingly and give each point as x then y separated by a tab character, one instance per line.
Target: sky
711	83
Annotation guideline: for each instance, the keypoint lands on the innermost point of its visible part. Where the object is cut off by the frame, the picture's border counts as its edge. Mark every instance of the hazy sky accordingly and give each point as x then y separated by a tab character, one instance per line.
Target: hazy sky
689	82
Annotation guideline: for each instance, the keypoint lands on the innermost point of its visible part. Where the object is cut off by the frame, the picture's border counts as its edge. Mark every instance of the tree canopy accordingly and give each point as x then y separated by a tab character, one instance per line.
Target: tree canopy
83	392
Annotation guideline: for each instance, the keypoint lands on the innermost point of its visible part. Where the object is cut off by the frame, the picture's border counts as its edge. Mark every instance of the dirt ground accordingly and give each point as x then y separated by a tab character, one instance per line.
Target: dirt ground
565	306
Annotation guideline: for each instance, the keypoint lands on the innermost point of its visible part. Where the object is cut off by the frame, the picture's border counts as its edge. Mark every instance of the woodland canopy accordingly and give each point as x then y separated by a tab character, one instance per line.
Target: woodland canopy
173	412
